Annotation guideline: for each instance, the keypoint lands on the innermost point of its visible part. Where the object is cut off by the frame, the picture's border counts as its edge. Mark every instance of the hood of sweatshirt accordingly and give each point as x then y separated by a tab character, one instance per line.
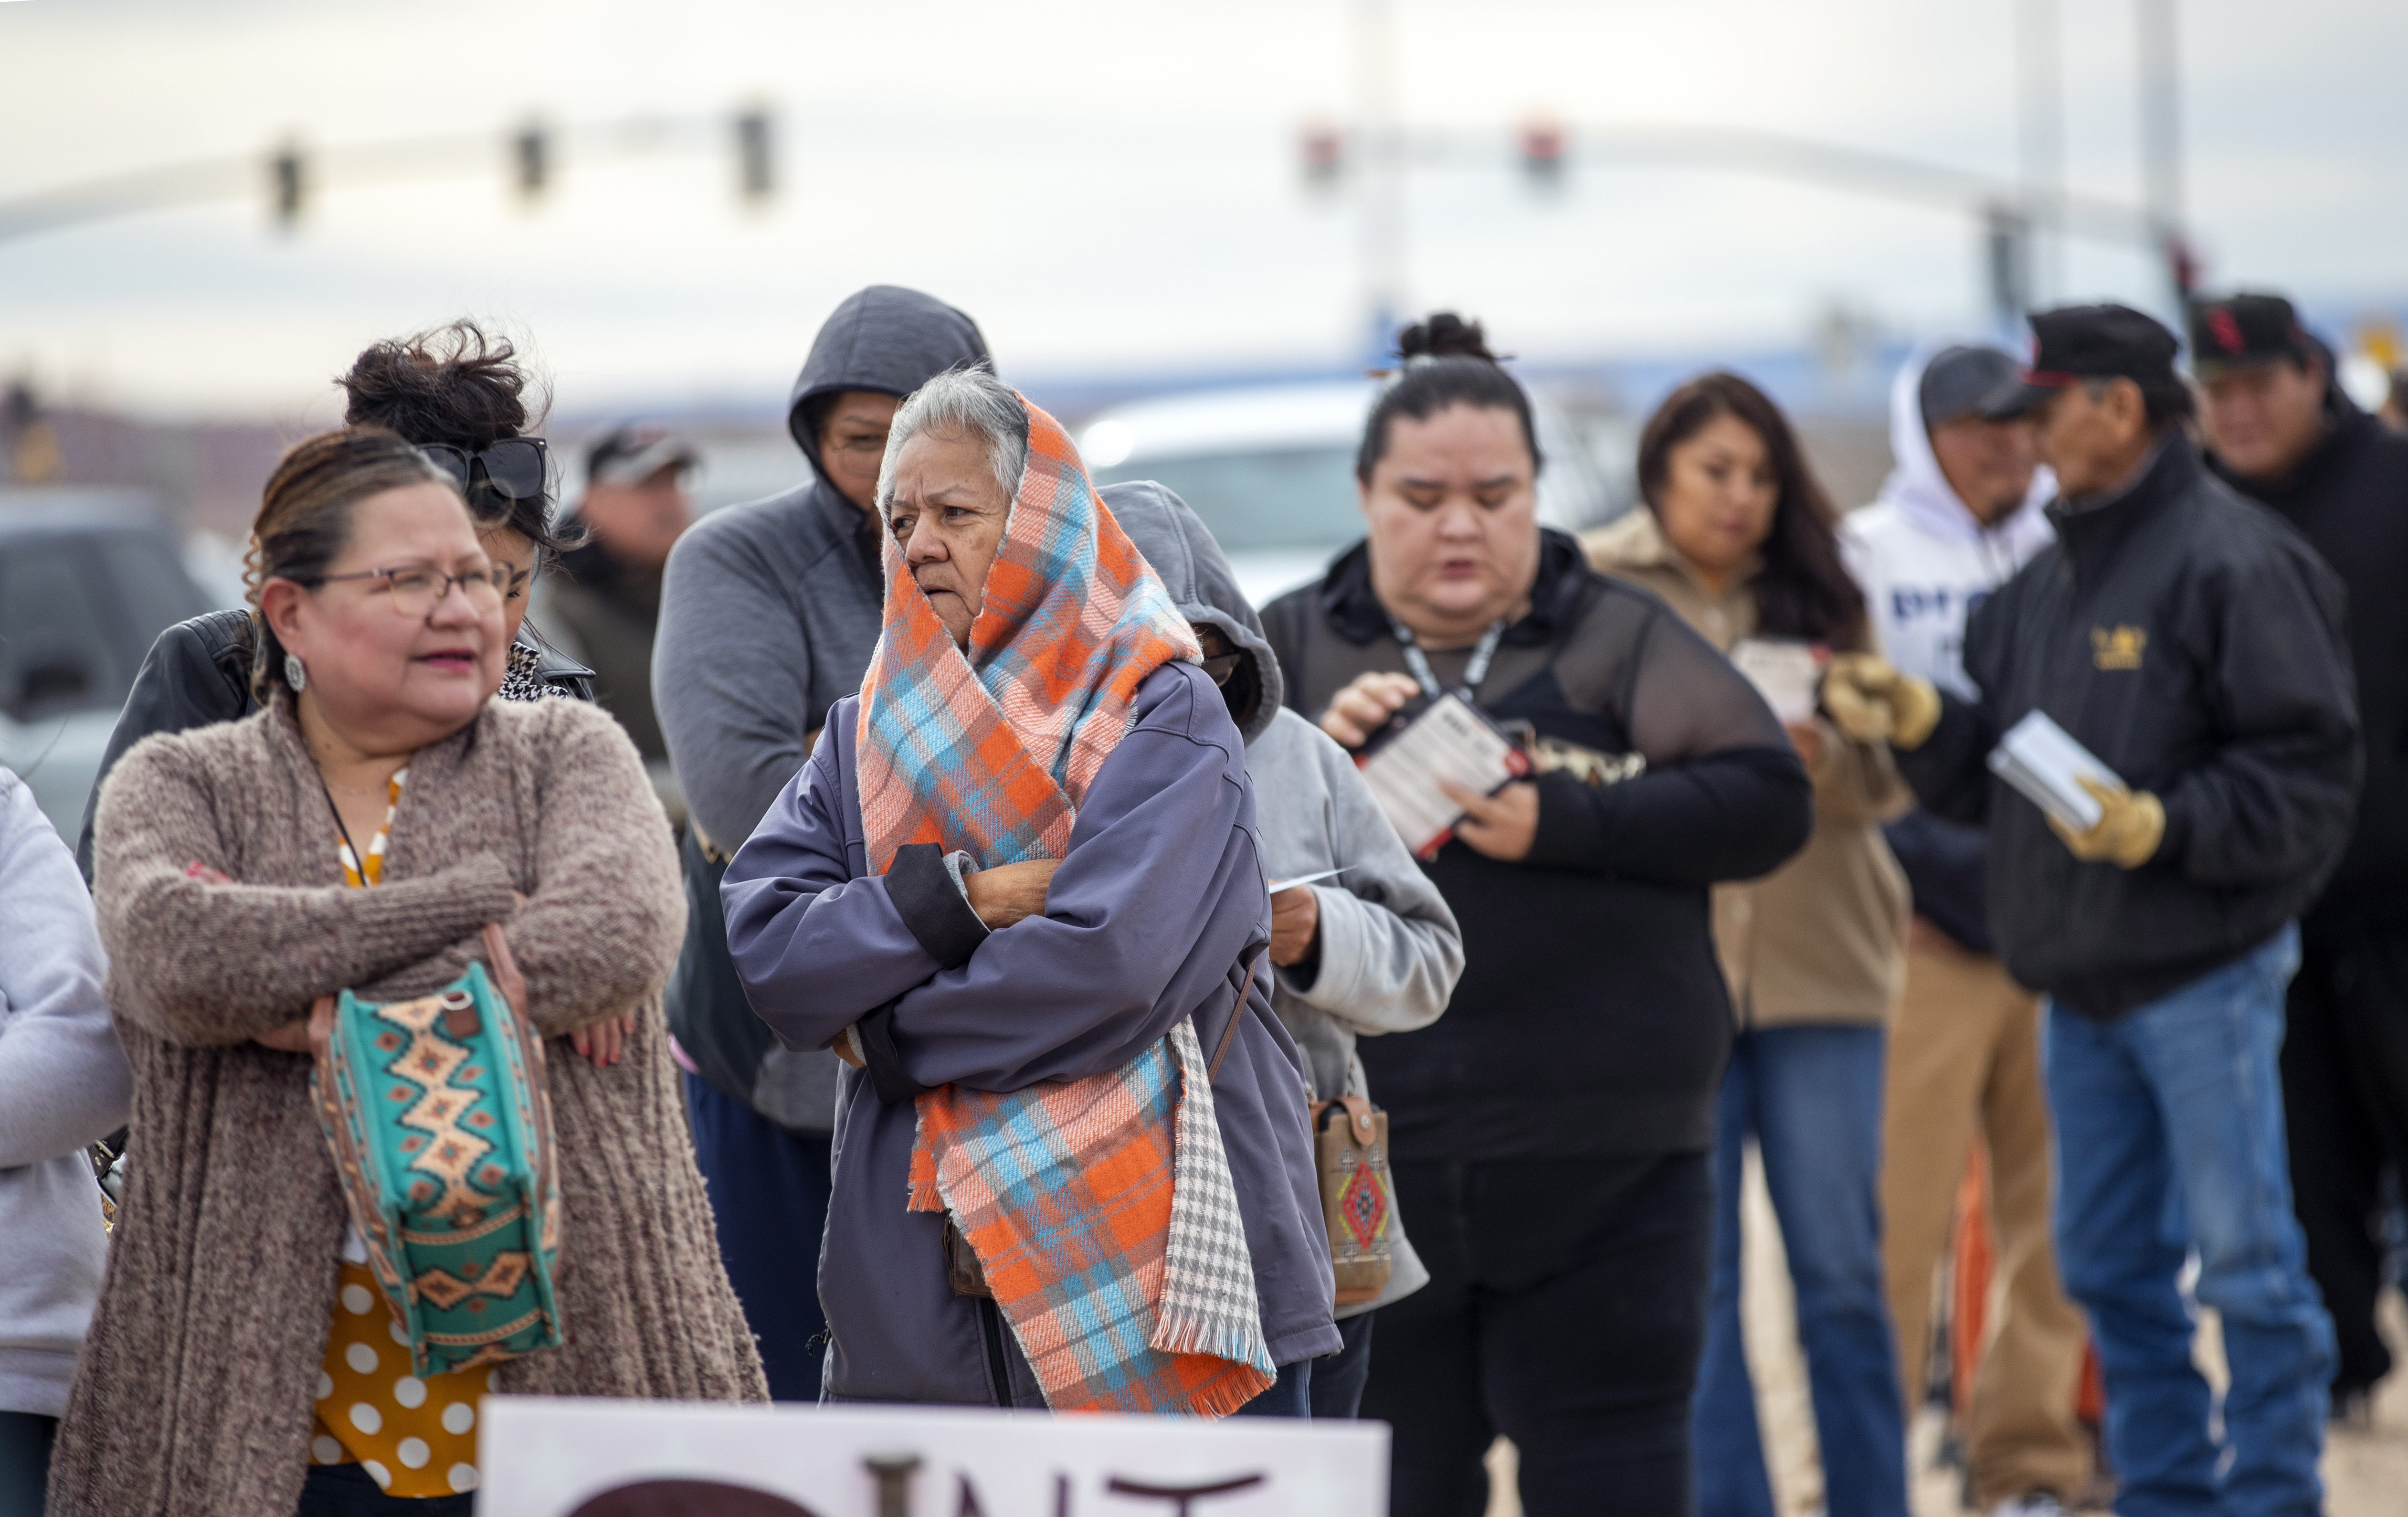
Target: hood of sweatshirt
885	338
1174	540
1920	492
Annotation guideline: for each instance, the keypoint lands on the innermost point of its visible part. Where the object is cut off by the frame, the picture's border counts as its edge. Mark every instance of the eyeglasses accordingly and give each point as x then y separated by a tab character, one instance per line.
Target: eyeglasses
1221	665
513	467
418	589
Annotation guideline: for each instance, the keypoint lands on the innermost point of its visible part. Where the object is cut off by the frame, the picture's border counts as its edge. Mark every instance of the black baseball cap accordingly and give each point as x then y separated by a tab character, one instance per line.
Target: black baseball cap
2085	342
2241	331
632	454
1959	379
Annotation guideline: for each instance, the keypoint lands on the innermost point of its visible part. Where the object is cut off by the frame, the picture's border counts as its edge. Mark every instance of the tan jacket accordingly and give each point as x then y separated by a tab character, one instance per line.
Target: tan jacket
1821	938
198	1381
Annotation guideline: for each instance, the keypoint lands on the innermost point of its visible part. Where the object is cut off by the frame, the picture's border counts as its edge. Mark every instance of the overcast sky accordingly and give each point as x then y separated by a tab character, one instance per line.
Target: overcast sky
1110	186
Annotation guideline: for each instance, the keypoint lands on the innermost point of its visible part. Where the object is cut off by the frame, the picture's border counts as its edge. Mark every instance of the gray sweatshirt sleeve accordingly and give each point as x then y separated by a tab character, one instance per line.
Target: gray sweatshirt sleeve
64	1080
1390	949
731	680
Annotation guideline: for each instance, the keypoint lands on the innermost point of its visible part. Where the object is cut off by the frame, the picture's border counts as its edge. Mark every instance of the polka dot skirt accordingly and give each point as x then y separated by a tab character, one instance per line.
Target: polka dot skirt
415	1438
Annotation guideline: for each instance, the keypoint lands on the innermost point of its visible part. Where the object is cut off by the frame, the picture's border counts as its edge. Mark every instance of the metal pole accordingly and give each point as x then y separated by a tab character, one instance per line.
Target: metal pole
1380	248
2040	143
2161	179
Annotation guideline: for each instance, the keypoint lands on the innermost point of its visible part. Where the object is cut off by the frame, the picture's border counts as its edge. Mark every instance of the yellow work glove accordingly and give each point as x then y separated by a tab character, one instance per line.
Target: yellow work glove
1871	702
2131	823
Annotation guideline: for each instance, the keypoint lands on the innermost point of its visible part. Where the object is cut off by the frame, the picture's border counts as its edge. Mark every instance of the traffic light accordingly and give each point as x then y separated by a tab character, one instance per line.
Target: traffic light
1321	148
531	160
2182	265
1543	141
2009	265
288	185
757	169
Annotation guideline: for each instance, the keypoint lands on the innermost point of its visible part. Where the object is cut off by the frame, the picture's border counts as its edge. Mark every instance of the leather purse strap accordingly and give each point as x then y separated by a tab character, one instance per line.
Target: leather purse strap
1237	1014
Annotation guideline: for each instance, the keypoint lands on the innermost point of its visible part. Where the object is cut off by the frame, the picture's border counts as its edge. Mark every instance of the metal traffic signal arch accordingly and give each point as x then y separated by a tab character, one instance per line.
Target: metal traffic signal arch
294	176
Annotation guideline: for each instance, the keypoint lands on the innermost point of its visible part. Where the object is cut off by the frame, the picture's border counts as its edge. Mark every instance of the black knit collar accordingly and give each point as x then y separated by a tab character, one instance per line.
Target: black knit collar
2093	530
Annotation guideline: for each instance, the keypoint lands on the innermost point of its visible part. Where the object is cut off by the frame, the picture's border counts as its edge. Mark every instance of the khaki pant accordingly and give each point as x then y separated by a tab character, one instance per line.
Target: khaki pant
1965	1050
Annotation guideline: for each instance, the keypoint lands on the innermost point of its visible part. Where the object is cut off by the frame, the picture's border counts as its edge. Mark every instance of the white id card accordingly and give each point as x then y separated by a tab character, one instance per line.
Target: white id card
1447	740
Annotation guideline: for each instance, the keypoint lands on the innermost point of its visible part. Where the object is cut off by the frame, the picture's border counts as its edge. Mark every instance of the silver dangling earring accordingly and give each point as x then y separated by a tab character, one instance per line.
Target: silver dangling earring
296	673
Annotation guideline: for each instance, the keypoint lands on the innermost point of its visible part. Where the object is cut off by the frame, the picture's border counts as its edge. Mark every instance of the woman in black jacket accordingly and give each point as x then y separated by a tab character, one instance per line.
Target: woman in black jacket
1555	1126
459	394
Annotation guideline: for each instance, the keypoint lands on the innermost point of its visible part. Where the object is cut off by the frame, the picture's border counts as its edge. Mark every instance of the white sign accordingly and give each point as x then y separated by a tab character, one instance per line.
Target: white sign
562	1457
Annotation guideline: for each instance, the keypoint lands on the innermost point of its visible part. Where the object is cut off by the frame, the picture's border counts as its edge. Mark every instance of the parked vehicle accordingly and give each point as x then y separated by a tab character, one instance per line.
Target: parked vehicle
88	579
1271	468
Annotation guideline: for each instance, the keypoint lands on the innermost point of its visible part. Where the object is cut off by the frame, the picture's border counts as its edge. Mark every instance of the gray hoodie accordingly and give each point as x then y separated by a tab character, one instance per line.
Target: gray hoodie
1390	950
768	612
63	1082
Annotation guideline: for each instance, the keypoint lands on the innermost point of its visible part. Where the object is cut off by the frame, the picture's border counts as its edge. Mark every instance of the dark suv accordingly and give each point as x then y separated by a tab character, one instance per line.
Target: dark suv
88	579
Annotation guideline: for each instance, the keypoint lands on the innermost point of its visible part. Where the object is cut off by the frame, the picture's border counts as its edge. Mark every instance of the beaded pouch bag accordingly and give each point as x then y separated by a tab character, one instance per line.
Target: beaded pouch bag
1350	1144
437	1114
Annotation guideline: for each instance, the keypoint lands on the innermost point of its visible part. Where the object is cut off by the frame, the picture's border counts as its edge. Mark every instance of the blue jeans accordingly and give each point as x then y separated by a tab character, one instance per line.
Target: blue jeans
1338	1379
1813	1098
2170	1138
1290	1396
25	1439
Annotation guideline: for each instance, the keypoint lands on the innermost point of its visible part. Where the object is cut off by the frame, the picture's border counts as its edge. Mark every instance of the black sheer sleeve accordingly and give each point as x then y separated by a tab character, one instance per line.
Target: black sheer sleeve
1724	796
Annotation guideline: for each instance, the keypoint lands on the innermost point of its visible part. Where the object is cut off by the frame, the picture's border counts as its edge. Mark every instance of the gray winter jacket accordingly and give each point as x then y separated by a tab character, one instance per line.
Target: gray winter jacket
768	612
63	1082
1390	952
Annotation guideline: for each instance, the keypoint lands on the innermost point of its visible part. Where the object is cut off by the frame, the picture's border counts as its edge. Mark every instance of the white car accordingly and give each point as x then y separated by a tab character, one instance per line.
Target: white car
88	579
1270	469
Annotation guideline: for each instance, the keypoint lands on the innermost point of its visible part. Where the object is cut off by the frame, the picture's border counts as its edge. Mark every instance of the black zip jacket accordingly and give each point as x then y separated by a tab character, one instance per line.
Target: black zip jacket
2349	499
1592	1016
2192	640
198	672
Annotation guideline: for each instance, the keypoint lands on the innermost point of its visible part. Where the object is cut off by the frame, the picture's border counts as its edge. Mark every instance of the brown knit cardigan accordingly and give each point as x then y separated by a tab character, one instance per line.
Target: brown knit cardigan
197	1384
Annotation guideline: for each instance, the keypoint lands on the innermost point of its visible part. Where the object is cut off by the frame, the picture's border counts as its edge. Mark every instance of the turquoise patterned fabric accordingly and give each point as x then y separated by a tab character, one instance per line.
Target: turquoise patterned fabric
441	1130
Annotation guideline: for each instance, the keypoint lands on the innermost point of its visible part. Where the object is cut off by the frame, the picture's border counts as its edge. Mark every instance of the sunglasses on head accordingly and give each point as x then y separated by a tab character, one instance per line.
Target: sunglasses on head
513	467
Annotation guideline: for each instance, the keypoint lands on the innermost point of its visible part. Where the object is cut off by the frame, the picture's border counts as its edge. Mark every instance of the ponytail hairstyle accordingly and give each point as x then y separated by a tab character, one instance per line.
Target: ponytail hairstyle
456	384
305	519
1804	589
1445	361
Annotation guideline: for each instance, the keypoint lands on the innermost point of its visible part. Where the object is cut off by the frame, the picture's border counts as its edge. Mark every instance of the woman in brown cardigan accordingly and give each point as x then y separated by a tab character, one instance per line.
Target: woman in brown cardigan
1739	539
227	882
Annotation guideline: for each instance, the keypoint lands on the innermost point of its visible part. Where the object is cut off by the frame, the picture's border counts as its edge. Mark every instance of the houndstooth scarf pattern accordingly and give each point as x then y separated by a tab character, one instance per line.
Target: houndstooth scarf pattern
523	677
1208	1278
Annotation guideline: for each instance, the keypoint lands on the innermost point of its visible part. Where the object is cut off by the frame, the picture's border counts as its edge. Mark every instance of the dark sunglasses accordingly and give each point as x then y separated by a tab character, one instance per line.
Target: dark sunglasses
513	467
1221	666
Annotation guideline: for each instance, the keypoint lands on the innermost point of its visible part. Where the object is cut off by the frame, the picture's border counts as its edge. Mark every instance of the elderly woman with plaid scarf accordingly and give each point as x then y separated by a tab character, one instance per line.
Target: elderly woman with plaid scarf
1017	888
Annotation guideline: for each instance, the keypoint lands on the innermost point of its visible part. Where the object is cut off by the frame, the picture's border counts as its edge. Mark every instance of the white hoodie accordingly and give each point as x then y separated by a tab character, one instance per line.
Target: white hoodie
1923	559
63	1082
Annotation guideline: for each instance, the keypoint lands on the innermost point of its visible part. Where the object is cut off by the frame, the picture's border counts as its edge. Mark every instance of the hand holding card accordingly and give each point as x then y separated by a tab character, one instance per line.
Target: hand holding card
1429	747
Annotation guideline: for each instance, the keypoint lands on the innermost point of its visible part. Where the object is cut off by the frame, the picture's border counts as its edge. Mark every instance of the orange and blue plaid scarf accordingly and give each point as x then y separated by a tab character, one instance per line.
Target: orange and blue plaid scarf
1101	1209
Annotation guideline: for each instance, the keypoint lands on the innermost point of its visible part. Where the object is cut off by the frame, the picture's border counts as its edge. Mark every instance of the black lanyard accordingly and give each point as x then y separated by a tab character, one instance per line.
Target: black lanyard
359	860
1474	672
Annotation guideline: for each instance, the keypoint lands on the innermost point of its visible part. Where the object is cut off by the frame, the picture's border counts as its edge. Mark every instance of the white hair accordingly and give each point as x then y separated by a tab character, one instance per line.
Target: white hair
962	400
